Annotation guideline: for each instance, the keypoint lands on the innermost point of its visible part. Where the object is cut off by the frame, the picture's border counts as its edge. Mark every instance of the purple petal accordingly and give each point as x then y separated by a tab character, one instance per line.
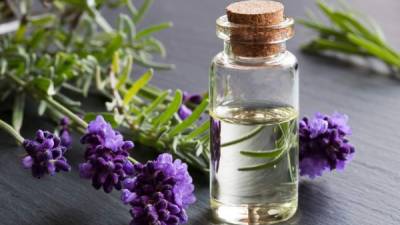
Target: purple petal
184	112
66	138
129	183
62	165
128	145
128	167
196	99
86	170
64	121
165	158
51	168
27	162
313	167
317	126
127	196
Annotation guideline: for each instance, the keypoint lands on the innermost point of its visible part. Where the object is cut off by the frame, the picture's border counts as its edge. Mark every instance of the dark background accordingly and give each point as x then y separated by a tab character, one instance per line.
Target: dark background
367	193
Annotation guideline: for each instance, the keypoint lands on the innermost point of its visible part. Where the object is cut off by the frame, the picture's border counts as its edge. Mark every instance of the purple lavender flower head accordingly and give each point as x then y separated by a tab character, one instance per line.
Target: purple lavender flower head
106	156
192	98
45	155
187	100
184	112
159	192
65	135
324	144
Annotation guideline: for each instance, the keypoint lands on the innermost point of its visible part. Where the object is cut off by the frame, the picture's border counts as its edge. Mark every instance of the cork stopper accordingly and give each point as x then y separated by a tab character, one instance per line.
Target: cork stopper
252	37
256	12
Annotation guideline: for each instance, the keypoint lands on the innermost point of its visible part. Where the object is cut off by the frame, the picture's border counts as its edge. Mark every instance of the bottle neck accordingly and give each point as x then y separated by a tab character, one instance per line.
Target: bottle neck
277	51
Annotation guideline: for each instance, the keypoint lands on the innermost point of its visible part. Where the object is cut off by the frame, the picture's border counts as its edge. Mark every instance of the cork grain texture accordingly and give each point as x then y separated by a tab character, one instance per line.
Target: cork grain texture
253	42
255	12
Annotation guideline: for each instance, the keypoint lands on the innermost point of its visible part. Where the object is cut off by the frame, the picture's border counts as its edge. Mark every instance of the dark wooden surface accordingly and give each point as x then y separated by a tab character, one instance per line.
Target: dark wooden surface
367	193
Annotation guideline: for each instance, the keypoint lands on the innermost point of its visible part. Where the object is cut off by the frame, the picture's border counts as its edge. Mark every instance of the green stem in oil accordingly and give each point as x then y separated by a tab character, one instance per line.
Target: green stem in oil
245	137
267	165
290	166
292	140
283	145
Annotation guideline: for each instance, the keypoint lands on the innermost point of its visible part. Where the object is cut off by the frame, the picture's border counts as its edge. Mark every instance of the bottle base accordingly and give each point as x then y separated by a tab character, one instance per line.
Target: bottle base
254	214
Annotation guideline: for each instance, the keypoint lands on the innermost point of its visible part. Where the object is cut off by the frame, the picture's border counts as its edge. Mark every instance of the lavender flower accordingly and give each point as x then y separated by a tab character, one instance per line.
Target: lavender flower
215	142
184	112
106	155
192	98
159	192
187	99
45	155
65	135
323	144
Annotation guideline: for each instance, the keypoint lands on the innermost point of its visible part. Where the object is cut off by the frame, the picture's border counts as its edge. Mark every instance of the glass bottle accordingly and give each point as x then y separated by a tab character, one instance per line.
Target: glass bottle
254	137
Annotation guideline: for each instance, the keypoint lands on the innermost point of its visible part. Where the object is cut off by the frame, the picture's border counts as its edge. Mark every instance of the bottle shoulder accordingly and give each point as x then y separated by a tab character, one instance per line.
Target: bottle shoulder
285	60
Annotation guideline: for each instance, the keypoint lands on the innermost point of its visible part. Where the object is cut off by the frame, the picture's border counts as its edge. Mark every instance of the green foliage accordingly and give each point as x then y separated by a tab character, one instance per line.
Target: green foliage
349	34
71	50
139	84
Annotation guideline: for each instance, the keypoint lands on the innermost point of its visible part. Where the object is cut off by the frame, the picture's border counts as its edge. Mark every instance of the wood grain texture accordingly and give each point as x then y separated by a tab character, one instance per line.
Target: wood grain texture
367	193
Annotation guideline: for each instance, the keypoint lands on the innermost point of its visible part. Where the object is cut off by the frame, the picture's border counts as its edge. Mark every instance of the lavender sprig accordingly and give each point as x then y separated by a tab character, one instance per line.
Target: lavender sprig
159	192
73	62
107	162
45	154
324	144
348	34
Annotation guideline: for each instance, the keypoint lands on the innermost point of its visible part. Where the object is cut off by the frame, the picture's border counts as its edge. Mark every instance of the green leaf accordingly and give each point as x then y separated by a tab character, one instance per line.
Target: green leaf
45	85
100	20
146	62
18	111
125	73
77	3
330	14
3	67
141	82
37	39
263	154
152	29
115	63
266	165
199	148
364	32
127	26
325	44
198	131
20	33
142	10
160	99
87	83
171	109
191	119
67	100
42	108
245	137
114	45
131	8
43	20
375	49
322	29
153	45
109	117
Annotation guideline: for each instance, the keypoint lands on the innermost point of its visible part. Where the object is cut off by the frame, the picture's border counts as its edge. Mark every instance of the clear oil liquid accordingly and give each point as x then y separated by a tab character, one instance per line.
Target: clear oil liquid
254	189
